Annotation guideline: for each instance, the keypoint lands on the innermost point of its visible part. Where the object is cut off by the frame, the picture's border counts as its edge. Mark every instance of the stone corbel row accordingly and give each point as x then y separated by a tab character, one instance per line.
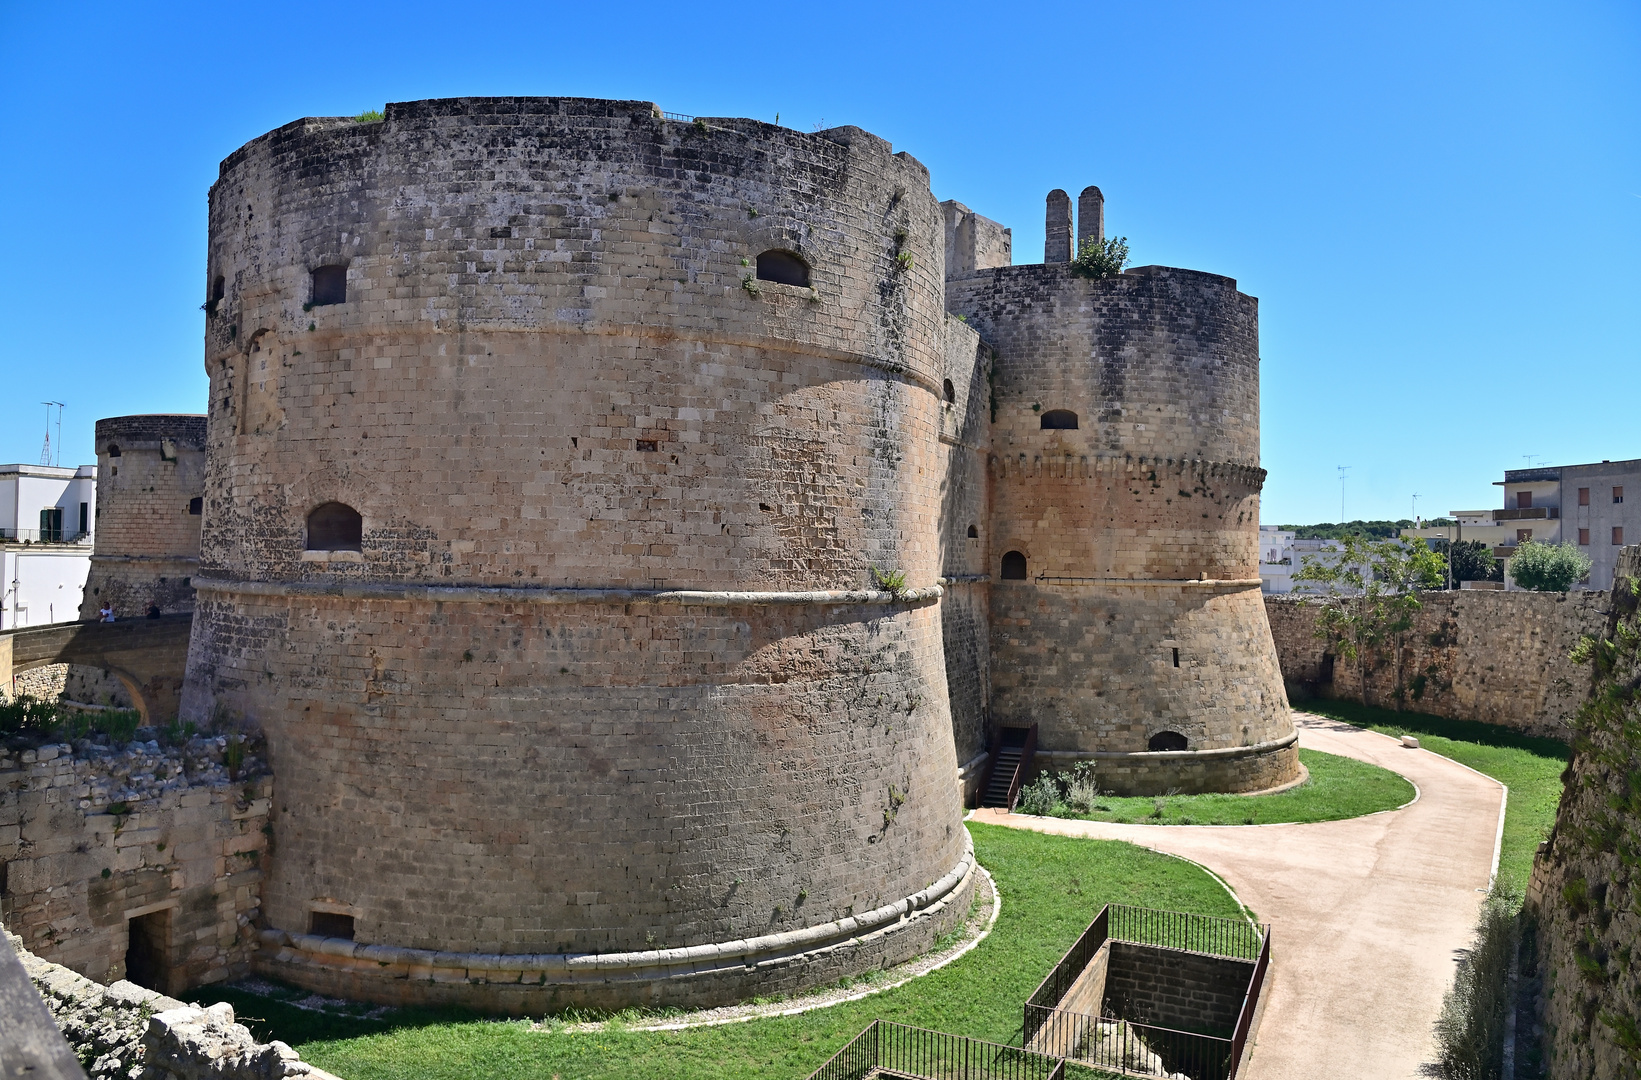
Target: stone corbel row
1086	466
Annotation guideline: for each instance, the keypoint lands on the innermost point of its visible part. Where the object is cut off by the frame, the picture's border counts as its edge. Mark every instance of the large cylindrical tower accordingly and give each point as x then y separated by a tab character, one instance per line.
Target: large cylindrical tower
553	446
1127	620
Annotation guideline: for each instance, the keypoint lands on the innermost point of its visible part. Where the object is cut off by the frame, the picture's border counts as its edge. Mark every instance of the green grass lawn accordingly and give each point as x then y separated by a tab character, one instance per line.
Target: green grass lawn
1530	766
1051	887
1338	787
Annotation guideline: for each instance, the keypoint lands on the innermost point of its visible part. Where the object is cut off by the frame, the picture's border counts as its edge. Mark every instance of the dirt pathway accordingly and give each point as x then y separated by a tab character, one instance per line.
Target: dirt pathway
1367	915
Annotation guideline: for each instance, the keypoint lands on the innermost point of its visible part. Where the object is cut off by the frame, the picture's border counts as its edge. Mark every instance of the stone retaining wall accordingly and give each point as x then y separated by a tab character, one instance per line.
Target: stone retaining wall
1497	657
92	838
127	1032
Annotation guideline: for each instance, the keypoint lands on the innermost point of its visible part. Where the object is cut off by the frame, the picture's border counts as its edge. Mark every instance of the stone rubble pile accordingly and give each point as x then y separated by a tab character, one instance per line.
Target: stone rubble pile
124	1032
105	775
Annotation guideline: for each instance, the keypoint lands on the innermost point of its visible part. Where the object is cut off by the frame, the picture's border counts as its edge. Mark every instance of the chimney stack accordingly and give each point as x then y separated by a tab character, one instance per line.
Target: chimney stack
1057	228
1090	217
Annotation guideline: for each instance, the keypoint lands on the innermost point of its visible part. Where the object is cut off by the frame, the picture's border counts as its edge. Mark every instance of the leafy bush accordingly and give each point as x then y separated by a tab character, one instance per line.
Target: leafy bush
1473	561
369	116
1101	259
1040	797
27	714
1548	567
1470	1028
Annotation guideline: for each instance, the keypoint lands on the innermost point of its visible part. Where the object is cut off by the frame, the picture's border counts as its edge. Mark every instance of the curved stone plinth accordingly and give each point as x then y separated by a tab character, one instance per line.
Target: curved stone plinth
697	976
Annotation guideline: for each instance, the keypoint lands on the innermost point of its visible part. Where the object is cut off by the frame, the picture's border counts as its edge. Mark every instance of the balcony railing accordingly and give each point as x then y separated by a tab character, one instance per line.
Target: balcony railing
44	536
1528	513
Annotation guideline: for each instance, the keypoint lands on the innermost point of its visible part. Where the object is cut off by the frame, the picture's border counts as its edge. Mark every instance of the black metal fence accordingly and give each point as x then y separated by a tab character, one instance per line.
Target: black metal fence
1085	1036
1210	935
1128	1048
890	1049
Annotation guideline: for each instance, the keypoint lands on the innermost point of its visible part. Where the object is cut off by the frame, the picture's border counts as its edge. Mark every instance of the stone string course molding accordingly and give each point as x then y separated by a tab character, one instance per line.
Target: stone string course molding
126	1032
543	594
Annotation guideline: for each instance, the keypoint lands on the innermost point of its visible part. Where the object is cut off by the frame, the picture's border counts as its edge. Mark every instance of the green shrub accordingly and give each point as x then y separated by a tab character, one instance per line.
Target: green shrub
1470	1028
1101	259
1040	797
27	714
1548	567
369	116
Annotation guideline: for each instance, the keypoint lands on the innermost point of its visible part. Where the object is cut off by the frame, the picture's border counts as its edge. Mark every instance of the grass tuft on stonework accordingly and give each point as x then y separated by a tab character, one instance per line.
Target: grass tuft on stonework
1339	787
1051	887
1530	766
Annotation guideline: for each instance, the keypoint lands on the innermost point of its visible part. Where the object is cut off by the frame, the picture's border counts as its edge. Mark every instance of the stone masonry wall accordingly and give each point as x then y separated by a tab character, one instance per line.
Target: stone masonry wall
127	1032
148	514
1496	657
1138	521
1179	990
93	837
500	728
1585	890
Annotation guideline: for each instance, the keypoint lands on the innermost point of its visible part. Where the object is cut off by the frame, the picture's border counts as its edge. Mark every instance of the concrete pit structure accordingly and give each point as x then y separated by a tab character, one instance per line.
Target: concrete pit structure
572	533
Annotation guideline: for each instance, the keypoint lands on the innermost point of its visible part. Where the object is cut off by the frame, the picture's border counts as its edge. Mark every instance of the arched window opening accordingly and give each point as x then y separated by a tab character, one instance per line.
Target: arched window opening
974	533
335	526
330	285
1014	566
113	449
1166	740
1059	420
783	267
950	391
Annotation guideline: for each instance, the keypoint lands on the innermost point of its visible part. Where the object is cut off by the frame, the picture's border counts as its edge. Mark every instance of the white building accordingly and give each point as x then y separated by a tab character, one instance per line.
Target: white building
47	516
1281	556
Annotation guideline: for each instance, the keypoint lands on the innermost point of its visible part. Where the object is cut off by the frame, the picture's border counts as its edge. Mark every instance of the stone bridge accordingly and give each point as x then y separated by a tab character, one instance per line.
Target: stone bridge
147	655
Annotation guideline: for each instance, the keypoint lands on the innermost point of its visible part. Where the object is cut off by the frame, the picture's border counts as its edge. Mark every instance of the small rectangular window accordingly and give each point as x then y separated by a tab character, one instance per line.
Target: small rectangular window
1583	496
1584	537
1176	658
1618	535
85	518
1523	535
331	924
1524	499
330	285
1618	494
196	505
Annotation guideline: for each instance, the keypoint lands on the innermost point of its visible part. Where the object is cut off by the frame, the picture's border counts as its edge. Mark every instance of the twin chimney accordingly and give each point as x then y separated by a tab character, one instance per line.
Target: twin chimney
1057	246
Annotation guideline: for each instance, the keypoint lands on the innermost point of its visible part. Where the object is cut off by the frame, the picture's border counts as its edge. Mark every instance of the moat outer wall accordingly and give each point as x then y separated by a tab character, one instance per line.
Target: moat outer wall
555	373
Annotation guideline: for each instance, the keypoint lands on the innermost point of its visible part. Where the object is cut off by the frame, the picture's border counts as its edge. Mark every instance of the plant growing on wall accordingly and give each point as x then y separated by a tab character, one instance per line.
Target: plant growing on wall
1374	589
1548	567
1101	258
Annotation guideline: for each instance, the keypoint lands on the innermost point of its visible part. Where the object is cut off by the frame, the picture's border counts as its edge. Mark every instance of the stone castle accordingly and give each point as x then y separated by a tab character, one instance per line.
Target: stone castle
629	535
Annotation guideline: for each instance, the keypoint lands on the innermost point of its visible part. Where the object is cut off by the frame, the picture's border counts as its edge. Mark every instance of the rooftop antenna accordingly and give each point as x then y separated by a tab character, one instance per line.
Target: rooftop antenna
1530	458
1343	469
1415	509
45	450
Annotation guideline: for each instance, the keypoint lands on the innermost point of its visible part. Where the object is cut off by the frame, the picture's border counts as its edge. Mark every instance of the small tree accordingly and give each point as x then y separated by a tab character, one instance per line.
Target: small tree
1374	586
1101	258
1473	561
1548	567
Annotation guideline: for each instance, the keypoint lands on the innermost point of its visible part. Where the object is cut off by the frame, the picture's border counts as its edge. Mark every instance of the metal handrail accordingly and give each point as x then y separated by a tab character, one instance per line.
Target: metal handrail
1026	752
1210	935
1250	1005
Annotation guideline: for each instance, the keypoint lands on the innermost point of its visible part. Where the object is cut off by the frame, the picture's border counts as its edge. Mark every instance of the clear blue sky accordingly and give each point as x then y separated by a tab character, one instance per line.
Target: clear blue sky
1438	205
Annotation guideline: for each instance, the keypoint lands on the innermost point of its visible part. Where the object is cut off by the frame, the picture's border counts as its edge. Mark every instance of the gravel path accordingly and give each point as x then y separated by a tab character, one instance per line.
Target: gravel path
1368	915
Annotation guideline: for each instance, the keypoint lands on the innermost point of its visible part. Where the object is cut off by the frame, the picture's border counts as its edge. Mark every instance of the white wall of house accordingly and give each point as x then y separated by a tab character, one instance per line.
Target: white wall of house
43	575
